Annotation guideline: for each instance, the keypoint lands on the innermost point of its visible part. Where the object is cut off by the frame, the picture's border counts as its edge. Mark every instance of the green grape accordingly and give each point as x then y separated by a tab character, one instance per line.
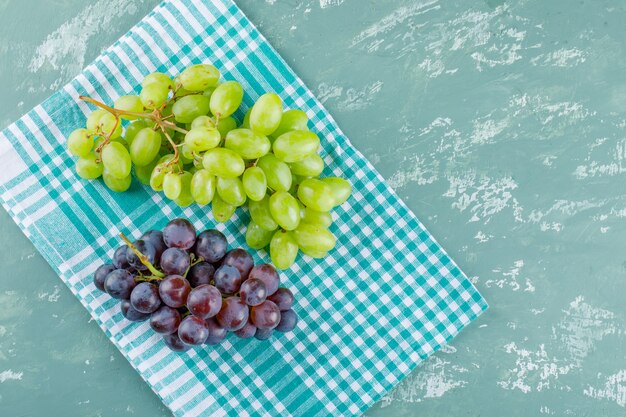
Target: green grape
314	238
157	176
291	120
203	121
257	237
144	173
129	103
261	215
283	249
225	125
154	95
88	167
321	218
209	91
223	163
254	183
314	254
116	159
94	118
201	139
134	128
185	198
119	185
169	157
172	185
187	108
158	78
341	189
222	211
203	186
226	99
231	191
79	143
167	110
311	166
266	114
285	210
316	194
186	154
246	143
276	172
296	145
109	125
199	77
145	146
246	119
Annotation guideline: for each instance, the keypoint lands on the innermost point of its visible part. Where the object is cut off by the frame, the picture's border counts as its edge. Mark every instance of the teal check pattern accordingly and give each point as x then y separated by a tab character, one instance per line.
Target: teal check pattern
384	300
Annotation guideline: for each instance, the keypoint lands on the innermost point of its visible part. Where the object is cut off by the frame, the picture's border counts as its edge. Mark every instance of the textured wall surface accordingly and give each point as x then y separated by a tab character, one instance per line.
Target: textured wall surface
501	124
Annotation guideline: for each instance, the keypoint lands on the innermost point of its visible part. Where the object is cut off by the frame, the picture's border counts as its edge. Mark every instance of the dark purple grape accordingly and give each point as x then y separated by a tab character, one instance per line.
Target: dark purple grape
119	284
227	279
263	334
175	261
241	260
119	257
179	233
200	274
233	315
156	238
145	297
288	321
266	273
283	298
174	290
193	330
216	332
211	245
173	342
253	292
144	247
265	316
247	331
165	320
204	301
100	275
130	313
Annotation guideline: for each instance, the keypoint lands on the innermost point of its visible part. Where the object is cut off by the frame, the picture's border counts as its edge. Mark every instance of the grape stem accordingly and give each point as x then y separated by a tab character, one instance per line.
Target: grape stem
143	258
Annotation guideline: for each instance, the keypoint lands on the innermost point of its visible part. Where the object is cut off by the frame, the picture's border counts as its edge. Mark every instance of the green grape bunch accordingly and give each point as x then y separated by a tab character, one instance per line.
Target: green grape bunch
179	137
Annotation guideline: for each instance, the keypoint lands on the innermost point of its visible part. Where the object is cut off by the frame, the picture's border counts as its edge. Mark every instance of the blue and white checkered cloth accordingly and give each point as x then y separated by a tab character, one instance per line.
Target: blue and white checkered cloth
384	300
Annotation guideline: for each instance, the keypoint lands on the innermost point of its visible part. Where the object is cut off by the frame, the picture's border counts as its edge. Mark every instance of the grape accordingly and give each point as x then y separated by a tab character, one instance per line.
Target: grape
314	254
203	186
322	218
233	315
227	279
119	284
130	313
209	91
129	103
116	159
263	334
109	126
226	98
165	320
311	166
173	342
247	331
174	261
226	125
241	260
246	119
145	146
231	191
100	275
204	301
158	176
223	163
120	261
211	246
154	95
199	77
193	330
200	139
158	78
314	238
268	275
283	249
288	321
257	237
265	316
179	233
135	127
316	194
187	108
79	143
118	185
285	210
291	120
217	333
174	290
253	292
94	118
341	189
261	215
147	249
200	274
172	185
276	172
185	198
156	238
296	145
248	144
222	211
88	167
266	114
144	173
145	298
203	122
254	183
283	298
